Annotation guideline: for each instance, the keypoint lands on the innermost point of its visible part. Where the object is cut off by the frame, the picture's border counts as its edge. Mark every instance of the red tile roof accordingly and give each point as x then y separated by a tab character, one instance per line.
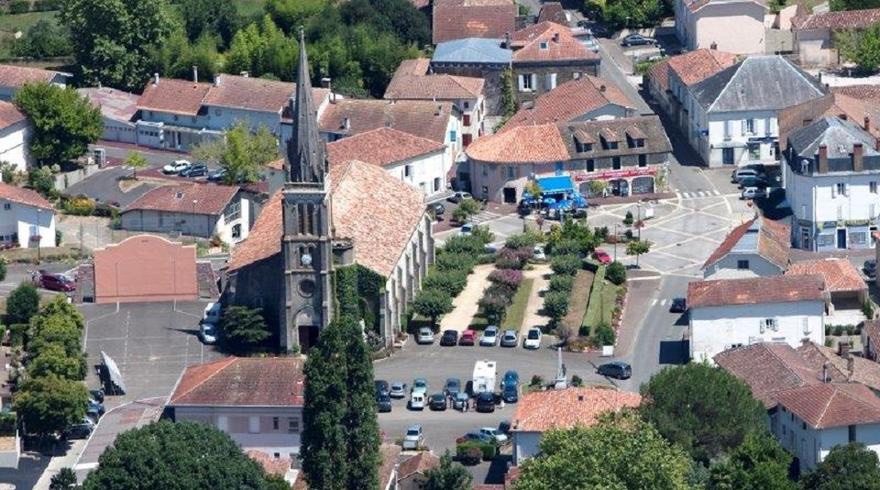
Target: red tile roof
211	199
570	100
521	144
414	66
421	118
695	66
174	96
550	41
871	330
827	405
433	87
694	5
9	115
271	465
660	74
544	410
553	12
752	291
390	454
17	76
241	381
419	463
249	93
460	19
772	243
839	274
837	20
768	368
382	147
20	195
838	368
264	238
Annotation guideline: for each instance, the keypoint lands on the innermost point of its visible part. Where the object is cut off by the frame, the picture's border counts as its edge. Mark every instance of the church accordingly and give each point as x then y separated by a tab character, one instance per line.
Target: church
326	219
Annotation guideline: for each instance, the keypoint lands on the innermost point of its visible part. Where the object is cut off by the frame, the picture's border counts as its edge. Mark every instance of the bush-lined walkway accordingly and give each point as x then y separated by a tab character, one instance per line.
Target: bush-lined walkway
466	305
540	273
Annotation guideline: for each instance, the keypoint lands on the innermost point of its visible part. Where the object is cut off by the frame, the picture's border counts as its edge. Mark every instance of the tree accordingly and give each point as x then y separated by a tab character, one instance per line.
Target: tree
243	329
42	180
112	39
22	304
63	480
867	54
177	56
629	13
64	122
136	161
45	39
704	409
450	282
340	439
175	455
60	306
242	154
50	404
620	452
854	4
218	17
448	476
556	304
432	303
759	463
846	467
53	359
616	273
2	268
637	248
566	265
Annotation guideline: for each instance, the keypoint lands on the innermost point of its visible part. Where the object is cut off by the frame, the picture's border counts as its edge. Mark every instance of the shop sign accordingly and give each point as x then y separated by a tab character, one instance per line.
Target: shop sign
581	176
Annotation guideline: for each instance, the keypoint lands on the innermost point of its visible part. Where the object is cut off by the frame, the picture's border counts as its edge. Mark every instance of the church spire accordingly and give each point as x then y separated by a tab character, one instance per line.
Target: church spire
306	152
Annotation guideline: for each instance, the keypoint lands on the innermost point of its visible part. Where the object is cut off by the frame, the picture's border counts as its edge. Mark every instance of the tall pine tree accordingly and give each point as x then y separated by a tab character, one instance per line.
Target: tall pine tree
340	440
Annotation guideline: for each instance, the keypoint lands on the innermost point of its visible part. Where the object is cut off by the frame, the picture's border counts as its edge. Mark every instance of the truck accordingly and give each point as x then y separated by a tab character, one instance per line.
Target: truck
485	373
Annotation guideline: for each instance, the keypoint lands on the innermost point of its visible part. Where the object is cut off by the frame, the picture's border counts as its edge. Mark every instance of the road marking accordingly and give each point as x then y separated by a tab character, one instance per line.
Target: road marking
654	302
663	302
716	193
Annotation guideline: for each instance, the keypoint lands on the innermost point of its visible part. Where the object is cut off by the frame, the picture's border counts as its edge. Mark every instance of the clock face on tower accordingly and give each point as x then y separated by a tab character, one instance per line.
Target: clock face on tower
306	259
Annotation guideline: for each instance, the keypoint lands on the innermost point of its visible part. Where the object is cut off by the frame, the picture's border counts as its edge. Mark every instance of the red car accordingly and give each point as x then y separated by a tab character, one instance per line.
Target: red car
602	256
467	337
56	282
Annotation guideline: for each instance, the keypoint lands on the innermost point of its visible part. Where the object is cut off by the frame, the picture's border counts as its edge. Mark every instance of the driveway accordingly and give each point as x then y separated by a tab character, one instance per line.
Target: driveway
103	186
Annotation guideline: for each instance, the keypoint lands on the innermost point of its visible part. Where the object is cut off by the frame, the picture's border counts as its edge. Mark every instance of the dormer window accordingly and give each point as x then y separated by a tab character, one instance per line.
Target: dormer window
635	138
583	142
609	139
543	44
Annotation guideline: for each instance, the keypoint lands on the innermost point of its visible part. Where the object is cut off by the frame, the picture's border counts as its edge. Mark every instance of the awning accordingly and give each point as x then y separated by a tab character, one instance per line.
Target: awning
113	371
556	185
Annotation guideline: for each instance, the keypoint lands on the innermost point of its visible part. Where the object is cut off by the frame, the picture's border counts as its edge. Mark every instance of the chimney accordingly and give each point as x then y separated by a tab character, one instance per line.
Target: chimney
325	82
824	372
155	79
843	349
857	160
346	123
850	365
195	74
506	40
843	117
245	74
439	110
555	37
602	88
823	159
820	77
580	397
216	80
713	46
868	123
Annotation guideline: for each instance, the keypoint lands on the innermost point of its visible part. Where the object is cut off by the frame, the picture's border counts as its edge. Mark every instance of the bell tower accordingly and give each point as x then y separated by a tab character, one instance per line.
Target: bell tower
306	244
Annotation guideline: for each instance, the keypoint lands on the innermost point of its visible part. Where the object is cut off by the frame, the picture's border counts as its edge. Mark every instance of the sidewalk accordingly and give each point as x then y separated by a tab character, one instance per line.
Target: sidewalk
533	317
466	304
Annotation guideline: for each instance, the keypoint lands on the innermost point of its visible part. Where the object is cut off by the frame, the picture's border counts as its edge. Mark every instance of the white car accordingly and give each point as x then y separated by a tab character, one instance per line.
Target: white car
176	167
208	333
538	253
414	437
751	193
533	339
494	433
417	401
466	229
425	336
489	337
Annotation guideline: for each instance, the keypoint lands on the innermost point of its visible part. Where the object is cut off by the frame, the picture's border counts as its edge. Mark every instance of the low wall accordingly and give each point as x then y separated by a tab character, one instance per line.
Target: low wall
64	180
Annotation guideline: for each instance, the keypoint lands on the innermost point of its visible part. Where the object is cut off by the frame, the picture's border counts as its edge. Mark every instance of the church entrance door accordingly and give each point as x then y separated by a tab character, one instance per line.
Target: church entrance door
308	336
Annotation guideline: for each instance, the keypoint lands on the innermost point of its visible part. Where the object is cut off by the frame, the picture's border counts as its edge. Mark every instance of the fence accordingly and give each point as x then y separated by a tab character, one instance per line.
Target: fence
64	180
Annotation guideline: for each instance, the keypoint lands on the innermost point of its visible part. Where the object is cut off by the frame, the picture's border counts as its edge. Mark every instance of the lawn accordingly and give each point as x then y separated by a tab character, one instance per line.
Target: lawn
517	309
22	22
600	311
578	300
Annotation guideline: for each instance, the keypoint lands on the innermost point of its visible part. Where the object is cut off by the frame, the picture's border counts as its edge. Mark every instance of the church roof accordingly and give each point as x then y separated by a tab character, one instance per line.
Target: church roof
306	150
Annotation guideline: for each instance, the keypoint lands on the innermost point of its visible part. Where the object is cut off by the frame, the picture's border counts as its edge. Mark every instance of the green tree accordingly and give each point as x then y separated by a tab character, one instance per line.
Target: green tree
53	359
242	154
243	329
340	439
55	329
846	467
112	39
176	57
42	180
214	17
759	463
620	452
703	409
60	306
136	161
175	455
45	39
290	14
63	480
566	265
854	4
263	50
64	122
448	476
432	303
867	54
2	268
556	304
22	304
630	13
637	248
616	273
450	282
50	404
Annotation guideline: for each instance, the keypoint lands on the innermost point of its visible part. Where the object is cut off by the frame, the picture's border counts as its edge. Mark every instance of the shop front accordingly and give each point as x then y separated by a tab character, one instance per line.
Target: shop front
622	183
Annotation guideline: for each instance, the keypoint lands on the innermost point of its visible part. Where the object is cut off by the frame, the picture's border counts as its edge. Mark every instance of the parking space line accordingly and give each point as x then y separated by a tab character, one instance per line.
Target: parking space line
654	302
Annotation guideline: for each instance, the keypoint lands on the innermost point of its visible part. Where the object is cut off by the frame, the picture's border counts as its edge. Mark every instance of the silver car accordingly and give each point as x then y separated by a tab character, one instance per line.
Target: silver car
425	336
509	339
489	337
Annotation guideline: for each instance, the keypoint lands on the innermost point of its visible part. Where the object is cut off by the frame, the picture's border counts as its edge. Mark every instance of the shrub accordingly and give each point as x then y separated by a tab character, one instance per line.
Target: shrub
513	258
2	268
584	331
561	283
556	304
23	303
494	305
17	331
470	206
628	219
838	330
469	452
19	6
827	330
849	329
616	273
568	246
59	235
527	239
79	206
537	381
41	180
604	335
483	234
506	278
577	381
471	244
868	309
455	262
565	264
451	282
601	232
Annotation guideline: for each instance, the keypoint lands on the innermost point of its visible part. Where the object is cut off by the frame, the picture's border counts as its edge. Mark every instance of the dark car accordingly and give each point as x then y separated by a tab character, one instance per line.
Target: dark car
216	175
453	386
486	402
197	170
637	40
450	337
616	369
97	395
870	268
437	401
382	386
679	305
758	182
78	431
56	282
437	208
383	402
510	387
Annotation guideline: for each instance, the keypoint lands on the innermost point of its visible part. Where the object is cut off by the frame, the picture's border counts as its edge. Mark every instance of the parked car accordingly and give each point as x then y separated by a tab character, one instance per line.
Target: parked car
602	256
485	402
476	436
398	390
94	413
533	339
538	253
96	407
637	40
383	402
97	395
489	337
510	387
459	196
196	170
453	386
176	167
870	268
417	401
420	385
615	369
460	400
497	436
211	313
437	401
56	282
208	333
425	336
437	208
467	337
77	431
382	386
414	438
509	339
217	175
679	305
759	182
450	337
466	229
746	171
752	193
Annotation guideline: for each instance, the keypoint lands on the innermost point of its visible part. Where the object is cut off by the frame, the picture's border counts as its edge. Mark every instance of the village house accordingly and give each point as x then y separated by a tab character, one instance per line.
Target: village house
15	131
202	210
814	34
847	291
13	78
118	112
726	313
757	248
707	24
460	19
27	219
411	471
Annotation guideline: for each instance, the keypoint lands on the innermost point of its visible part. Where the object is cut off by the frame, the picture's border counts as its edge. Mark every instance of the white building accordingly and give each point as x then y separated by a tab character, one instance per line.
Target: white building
27	220
14	77
727	313
831	173
757	248
707	24
733	115
118	111
14	134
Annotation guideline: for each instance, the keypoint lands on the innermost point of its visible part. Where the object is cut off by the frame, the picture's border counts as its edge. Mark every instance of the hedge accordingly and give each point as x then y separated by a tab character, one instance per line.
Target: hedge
489	450
595	301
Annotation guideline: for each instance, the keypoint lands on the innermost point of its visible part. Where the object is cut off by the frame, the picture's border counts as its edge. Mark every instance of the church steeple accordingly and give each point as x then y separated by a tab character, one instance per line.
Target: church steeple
306	152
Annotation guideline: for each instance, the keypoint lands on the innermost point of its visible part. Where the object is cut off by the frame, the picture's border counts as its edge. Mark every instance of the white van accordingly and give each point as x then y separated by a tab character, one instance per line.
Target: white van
417	401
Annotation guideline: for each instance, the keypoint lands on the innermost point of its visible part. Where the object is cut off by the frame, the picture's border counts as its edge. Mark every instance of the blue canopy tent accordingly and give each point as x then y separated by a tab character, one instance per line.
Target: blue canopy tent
559	184
558	192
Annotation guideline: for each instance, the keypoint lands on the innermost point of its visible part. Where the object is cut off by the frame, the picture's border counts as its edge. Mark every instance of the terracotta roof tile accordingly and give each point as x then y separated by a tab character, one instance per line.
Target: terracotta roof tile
751	291
414	66
17	76
249	93
695	66
521	144
460	19
271	465
660	73
264	238
419	463
655	140
848	19
552	12
839	274
554	43
863	370
433	87
421	118
569	101
239	381
855	102
211	199
390	454
21	195
9	115
768	368
871	329
827	405
694	5
772	241
382	147
174	96
544	410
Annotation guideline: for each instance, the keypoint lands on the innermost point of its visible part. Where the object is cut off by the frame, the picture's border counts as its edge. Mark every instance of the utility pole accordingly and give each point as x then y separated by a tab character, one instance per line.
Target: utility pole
639	219
615	242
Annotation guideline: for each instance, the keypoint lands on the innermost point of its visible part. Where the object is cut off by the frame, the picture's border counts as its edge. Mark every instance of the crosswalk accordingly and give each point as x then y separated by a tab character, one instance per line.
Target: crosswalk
484	216
696	194
662	302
